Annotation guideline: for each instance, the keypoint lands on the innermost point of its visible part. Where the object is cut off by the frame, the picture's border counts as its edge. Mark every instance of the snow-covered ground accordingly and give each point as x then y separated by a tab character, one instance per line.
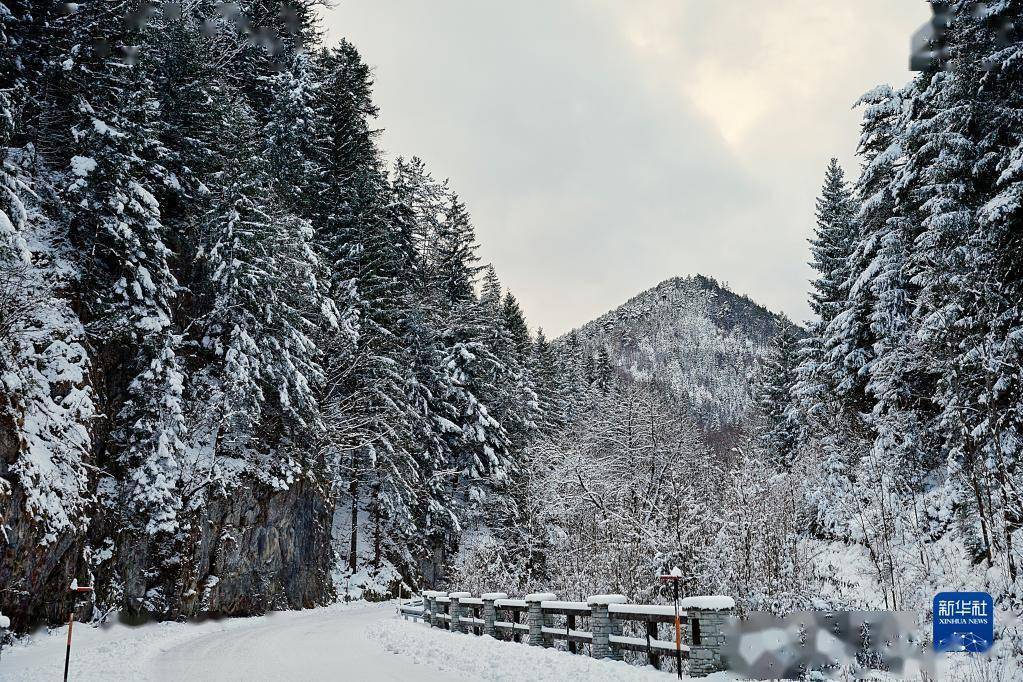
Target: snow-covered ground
355	642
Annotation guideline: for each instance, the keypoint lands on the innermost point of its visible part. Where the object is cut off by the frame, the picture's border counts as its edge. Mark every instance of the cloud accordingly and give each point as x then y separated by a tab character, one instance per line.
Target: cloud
603	146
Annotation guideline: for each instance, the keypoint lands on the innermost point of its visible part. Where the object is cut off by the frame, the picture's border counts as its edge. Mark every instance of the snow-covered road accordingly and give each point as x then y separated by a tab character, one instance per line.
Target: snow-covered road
359	642
321	644
330	643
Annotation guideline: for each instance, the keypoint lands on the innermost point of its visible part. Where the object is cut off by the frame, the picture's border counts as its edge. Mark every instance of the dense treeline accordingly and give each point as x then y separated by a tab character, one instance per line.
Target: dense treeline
238	353
906	396
897	420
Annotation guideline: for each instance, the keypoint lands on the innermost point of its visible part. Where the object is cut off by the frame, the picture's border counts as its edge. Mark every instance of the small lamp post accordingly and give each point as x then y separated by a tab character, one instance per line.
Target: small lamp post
674	577
74	589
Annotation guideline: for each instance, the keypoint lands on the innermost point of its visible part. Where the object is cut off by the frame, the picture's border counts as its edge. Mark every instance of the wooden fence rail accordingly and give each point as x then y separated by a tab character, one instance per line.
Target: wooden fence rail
533	619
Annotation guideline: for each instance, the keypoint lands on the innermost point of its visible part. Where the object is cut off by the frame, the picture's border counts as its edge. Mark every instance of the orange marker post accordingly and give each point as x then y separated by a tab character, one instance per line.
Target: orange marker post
71	623
674	577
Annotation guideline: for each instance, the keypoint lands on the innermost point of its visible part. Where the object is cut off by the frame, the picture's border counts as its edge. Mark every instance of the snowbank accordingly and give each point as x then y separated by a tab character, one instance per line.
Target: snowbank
325	643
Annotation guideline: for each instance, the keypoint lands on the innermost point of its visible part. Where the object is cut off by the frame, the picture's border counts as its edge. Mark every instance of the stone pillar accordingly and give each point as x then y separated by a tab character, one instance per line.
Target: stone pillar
708	618
535	617
435	609
427	608
457	610
603	626
614	628
490	612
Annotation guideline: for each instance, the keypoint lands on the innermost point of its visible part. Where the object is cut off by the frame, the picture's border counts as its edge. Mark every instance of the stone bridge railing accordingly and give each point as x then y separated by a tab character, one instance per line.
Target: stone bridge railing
606	624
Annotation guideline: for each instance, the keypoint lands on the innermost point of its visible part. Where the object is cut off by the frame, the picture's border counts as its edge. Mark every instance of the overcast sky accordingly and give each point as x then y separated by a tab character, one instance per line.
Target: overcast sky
603	146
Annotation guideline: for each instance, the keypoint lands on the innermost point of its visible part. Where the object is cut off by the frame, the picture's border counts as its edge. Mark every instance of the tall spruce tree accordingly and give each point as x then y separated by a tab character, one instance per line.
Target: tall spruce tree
780	434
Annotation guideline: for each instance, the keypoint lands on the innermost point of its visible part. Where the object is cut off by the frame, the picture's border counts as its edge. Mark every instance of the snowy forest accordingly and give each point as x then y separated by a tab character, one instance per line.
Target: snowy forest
248	364
228	328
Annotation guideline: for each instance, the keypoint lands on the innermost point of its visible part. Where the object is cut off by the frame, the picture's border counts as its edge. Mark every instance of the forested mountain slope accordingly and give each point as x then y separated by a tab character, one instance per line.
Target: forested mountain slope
692	336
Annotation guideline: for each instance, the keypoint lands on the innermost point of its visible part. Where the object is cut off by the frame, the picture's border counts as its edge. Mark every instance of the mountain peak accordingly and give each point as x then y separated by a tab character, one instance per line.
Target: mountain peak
695	337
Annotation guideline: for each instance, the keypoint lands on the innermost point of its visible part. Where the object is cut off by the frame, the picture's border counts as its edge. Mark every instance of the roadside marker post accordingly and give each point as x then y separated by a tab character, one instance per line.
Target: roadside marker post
74	589
674	577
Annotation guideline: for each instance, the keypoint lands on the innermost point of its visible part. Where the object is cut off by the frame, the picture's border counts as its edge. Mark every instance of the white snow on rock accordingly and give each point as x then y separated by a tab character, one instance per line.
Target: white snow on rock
82	165
540	596
713	602
548	604
494	595
459	595
643	609
607	599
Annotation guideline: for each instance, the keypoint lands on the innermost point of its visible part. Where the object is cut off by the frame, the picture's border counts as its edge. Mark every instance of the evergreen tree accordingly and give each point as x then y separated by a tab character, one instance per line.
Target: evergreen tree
515	322
129	270
832	251
832	245
780	432
263	275
547	377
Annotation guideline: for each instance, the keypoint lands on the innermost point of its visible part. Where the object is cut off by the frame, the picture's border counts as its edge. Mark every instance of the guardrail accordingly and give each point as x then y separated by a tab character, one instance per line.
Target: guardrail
599	623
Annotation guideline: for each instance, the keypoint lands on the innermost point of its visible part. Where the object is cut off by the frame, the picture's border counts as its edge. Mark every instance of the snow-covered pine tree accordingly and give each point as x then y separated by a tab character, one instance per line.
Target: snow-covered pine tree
549	384
117	227
415	210
293	165
831	251
520	417
371	261
478	441
833	389
832	243
265	366
962	180
777	379
515	322
268	35
501	327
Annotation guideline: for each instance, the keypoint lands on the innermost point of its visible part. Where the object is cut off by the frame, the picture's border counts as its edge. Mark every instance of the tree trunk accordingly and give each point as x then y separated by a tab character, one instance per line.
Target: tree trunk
353	490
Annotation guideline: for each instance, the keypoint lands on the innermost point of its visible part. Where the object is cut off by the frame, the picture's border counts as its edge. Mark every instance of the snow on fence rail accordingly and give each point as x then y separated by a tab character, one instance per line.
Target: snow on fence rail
542	620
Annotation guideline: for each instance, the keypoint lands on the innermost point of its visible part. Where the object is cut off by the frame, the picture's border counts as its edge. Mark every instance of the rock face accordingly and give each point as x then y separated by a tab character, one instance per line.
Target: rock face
246	552
263	552
33	577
